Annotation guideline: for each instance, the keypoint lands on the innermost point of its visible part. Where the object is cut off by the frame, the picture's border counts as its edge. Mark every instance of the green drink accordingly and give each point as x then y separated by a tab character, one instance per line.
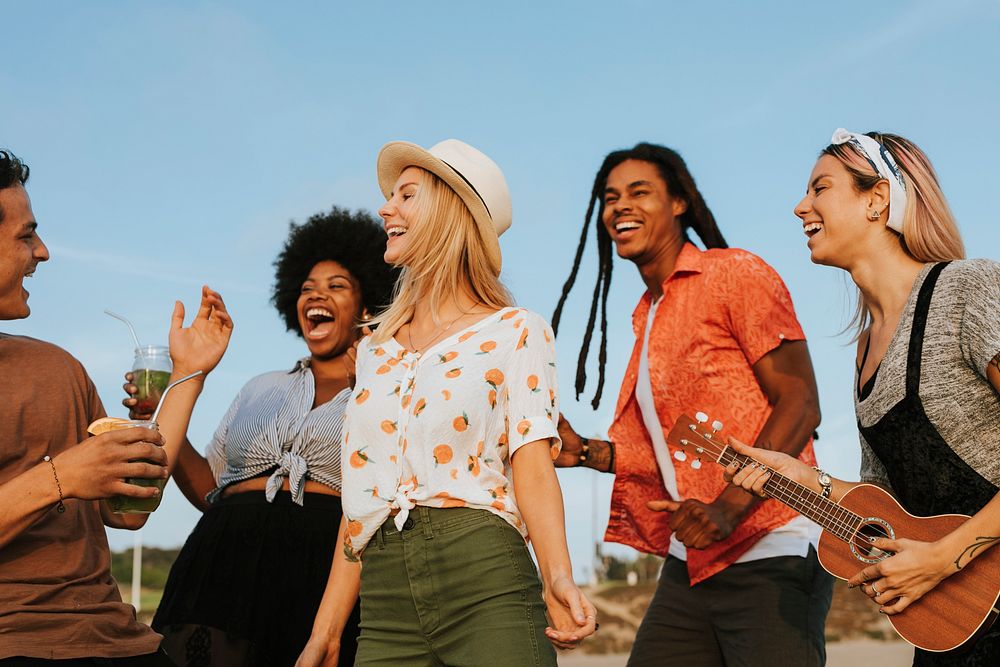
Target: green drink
126	504
151	374
151	385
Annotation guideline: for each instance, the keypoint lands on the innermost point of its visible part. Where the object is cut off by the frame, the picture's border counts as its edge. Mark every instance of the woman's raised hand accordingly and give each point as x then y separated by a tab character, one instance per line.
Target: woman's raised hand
200	347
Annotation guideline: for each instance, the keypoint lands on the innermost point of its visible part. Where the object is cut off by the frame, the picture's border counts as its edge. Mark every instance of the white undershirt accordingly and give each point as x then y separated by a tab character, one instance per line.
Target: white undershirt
791	539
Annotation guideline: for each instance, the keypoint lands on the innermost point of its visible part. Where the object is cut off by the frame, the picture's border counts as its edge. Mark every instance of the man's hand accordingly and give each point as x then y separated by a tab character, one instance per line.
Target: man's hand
96	468
572	445
696	524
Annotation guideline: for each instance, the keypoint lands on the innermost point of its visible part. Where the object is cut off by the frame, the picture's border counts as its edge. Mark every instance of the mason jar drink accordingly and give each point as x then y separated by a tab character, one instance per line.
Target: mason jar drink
151	374
126	504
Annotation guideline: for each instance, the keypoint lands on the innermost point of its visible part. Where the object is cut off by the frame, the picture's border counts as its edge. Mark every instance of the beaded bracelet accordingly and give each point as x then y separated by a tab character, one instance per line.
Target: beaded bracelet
60	507
584	452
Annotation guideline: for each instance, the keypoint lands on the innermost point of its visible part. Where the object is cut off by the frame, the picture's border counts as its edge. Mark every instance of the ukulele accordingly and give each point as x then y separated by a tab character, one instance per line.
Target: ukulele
957	610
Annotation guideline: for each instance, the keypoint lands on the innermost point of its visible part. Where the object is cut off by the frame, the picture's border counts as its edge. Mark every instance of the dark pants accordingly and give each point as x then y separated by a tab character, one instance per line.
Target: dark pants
763	613
158	659
456	587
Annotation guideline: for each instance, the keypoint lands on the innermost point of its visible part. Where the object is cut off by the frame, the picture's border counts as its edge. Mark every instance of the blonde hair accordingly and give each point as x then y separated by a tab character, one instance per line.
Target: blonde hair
445	257
930	233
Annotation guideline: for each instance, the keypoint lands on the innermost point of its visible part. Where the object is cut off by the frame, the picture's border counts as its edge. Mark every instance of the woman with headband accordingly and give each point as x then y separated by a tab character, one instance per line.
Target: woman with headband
927	392
449	440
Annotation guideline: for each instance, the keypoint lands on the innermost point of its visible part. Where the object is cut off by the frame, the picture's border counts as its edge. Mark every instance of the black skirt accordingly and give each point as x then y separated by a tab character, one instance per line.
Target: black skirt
247	583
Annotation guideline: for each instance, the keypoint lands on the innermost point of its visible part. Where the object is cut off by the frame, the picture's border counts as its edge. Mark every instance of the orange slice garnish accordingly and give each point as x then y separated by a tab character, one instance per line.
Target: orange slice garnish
105	424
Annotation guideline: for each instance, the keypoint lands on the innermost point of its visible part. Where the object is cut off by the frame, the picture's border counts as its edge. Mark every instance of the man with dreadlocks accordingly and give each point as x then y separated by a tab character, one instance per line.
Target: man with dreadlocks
715	332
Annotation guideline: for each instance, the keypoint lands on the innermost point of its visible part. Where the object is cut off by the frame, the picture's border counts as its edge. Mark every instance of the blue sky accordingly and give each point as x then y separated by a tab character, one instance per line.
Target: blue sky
170	146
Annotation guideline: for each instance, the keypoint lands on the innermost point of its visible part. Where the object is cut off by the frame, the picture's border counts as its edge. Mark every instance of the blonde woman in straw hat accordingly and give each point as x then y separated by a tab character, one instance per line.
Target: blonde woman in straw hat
448	442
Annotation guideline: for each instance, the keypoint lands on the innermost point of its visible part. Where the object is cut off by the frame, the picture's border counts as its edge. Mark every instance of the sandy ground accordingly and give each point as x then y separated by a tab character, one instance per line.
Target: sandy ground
839	654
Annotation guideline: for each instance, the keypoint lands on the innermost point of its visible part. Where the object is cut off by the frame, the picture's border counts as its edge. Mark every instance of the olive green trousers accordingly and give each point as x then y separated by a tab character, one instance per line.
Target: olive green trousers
455	587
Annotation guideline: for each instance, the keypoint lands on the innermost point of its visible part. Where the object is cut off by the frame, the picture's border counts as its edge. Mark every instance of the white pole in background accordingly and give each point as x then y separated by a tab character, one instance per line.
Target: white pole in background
136	569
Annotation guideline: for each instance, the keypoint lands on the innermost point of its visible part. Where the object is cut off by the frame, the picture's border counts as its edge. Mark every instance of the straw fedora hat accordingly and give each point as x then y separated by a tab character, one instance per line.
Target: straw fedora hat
474	177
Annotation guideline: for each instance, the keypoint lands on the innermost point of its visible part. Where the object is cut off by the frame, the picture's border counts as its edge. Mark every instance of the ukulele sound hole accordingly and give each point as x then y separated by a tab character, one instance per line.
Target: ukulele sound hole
861	544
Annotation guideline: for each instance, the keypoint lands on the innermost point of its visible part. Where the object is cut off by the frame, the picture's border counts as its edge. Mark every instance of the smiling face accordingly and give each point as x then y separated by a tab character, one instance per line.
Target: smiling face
329	307
639	213
20	251
834	214
400	212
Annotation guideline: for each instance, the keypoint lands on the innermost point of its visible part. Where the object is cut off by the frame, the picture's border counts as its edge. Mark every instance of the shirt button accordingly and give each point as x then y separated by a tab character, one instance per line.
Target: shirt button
408	524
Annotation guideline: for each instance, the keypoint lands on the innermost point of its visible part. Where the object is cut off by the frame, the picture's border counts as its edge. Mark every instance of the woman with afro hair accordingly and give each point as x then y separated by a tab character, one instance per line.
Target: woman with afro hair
248	582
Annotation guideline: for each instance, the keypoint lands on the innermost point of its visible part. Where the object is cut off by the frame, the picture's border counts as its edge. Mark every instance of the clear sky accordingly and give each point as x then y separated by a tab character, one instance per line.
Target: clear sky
170	145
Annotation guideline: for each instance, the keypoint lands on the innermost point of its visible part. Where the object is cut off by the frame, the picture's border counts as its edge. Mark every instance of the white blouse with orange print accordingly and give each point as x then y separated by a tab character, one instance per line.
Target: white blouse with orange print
438	428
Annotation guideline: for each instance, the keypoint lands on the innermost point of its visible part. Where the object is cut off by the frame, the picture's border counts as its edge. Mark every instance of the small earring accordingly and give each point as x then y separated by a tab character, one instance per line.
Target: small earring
366	318
874	215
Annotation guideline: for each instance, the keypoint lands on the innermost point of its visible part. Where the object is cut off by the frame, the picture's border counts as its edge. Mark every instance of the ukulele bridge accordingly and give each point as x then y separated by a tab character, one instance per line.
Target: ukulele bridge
862	542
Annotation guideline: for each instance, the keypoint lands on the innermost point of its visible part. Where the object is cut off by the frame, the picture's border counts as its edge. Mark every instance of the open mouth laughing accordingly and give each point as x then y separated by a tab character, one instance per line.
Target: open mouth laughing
319	322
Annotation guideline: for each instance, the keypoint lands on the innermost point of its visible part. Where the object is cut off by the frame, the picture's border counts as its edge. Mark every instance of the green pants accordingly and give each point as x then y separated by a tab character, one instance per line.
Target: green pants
455	587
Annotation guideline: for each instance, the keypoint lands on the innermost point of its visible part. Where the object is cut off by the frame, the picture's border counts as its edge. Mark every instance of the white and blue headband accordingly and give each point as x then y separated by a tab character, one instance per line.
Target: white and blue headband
885	165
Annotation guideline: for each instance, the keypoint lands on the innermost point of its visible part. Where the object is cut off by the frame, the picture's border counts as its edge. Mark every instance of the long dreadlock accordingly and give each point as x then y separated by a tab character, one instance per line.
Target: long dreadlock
698	217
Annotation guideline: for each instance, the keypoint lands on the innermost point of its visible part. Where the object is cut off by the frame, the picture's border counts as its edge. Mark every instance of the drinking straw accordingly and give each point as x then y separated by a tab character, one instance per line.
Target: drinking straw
166	391
128	324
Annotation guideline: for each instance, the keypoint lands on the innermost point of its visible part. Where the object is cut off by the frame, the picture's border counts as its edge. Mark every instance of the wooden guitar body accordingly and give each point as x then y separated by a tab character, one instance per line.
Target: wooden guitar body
957	610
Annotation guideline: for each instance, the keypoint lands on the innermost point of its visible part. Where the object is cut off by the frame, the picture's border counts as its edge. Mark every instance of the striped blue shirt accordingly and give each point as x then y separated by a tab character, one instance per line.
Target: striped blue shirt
271	424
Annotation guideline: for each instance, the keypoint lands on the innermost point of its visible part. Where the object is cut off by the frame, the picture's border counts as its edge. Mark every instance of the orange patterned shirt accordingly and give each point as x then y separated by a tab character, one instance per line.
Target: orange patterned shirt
438	428
722	310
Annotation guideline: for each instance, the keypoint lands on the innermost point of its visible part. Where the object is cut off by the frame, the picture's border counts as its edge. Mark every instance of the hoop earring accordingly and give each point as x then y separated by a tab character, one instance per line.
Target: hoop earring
874	215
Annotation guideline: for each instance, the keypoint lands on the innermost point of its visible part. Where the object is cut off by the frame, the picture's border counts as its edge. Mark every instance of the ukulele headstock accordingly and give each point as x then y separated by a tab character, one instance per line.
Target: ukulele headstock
696	439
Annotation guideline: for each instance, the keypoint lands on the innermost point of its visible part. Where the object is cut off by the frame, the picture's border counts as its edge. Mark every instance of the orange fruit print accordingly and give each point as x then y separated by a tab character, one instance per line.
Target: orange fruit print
442	454
533	383
523	340
446	394
354	528
419	407
388	426
448	356
488	347
359	458
461	422
453	373
383	369
362	396
524	426
494	377
474	466
491	398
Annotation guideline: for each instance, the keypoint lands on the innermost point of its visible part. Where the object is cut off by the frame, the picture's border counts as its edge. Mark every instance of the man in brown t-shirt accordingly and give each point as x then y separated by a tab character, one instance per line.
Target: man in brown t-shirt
58	600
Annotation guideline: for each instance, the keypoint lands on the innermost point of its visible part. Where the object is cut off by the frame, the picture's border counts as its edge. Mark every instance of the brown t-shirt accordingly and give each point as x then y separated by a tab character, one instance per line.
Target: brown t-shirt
57	597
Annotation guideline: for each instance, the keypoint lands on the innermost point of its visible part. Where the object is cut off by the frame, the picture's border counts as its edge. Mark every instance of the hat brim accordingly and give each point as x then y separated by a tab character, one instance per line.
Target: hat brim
396	156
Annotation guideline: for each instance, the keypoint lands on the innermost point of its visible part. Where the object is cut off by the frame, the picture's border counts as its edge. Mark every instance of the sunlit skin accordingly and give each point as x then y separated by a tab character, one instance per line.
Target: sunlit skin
398	214
642	218
21	250
835	217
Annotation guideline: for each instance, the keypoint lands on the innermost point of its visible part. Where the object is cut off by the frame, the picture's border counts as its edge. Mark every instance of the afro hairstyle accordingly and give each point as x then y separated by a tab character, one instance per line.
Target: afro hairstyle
355	240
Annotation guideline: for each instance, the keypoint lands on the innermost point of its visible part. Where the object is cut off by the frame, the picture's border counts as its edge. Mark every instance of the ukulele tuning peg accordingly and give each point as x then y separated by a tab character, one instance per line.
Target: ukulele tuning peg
716	426
680	456
696	464
701	417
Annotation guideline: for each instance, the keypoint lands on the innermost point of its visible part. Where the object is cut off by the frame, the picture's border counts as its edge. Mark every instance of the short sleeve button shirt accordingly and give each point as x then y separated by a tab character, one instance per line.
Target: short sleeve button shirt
438	428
